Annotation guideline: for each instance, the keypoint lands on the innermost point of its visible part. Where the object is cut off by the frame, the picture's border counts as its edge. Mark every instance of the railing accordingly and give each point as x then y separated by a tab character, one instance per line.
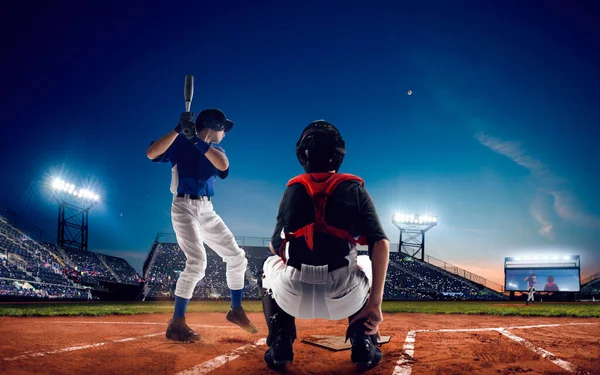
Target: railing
25	226
241	240
590	278
463	273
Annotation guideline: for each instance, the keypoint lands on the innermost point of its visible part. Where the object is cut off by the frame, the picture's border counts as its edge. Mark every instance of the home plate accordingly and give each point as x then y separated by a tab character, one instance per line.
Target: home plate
336	342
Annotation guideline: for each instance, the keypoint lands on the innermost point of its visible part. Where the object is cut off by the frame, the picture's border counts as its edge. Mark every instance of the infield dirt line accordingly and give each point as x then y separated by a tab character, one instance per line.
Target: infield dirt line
143	323
81	347
211	364
404	364
541	352
497	328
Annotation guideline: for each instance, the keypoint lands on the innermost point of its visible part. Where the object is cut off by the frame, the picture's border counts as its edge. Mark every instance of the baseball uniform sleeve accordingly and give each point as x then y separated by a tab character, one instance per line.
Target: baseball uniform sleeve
222	174
369	223
163	158
276	239
295	211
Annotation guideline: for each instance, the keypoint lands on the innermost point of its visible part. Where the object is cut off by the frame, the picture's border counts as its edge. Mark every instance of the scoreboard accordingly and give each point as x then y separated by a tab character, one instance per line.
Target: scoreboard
544	273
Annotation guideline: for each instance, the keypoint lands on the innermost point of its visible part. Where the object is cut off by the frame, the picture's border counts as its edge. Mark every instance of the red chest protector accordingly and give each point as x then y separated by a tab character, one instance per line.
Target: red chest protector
320	186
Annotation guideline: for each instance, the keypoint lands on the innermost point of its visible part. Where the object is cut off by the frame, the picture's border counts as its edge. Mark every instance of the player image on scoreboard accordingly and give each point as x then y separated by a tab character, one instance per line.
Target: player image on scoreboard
547	280
544	273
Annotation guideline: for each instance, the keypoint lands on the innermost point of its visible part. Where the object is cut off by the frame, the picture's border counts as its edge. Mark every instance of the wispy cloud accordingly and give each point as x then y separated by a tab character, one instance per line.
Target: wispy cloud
541	211
550	187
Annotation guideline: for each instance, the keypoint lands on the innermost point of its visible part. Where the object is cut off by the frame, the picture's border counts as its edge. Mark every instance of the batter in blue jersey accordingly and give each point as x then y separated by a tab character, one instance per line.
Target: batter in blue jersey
196	161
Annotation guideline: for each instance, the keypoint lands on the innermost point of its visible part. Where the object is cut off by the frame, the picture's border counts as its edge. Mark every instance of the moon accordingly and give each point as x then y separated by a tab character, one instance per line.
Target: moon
409	92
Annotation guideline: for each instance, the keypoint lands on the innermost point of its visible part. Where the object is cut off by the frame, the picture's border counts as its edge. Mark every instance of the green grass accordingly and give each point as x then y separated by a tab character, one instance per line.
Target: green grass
484	308
495	308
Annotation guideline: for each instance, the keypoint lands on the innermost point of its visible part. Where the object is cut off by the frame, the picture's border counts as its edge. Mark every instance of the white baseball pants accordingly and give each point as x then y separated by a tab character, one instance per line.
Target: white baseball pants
314	292
195	222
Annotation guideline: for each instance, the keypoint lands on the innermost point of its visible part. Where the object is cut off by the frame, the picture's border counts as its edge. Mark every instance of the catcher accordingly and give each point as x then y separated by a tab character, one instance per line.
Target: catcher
315	271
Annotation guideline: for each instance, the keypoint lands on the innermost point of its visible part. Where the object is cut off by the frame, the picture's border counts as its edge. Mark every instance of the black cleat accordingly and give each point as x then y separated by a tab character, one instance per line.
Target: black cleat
364	350
280	352
178	330
238	316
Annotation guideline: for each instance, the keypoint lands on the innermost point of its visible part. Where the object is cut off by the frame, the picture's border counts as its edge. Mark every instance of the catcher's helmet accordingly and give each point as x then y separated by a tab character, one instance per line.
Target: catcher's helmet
214	119
320	148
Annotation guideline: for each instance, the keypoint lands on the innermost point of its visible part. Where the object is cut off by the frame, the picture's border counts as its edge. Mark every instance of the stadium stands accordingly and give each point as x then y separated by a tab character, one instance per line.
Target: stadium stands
408	278
120	268
87	263
426	279
39	269
33	269
168	261
590	287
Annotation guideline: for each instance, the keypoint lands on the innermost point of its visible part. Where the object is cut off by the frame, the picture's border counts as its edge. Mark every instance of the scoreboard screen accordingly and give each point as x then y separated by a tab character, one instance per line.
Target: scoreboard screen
544	274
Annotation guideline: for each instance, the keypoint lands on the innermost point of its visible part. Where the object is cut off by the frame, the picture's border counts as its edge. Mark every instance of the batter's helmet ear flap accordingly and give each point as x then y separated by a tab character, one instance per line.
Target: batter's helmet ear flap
228	125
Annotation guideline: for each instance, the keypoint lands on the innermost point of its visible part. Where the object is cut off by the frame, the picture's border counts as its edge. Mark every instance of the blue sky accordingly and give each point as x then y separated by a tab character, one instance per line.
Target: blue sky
496	139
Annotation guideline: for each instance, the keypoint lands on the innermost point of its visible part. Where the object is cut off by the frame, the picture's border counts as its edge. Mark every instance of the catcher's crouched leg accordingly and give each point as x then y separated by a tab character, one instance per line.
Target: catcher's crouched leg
282	329
364	347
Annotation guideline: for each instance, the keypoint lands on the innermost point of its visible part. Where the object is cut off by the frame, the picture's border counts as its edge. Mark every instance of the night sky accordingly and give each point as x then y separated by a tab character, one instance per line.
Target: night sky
499	136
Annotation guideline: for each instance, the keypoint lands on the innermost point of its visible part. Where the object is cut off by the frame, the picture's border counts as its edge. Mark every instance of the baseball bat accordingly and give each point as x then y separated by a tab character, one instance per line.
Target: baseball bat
188	91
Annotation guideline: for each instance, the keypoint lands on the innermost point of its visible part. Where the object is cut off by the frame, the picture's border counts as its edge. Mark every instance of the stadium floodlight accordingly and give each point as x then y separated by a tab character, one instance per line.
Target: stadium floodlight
412	231
60	186
74	204
555	257
412	219
566	257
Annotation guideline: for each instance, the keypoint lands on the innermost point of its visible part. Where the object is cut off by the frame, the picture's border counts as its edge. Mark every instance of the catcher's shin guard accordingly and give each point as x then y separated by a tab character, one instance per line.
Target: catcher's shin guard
282	333
282	330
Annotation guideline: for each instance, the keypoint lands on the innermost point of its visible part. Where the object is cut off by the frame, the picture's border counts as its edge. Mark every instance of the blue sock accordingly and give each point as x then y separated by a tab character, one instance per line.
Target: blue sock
180	306
236	298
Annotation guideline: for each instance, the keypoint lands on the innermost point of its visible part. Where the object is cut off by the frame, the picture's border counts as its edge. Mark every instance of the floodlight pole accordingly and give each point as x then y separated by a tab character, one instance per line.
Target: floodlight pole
73	219
409	242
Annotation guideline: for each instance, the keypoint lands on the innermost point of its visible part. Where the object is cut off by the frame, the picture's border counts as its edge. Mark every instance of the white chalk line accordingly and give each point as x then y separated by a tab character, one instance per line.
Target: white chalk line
497	328
81	347
144	323
404	364
211	364
539	351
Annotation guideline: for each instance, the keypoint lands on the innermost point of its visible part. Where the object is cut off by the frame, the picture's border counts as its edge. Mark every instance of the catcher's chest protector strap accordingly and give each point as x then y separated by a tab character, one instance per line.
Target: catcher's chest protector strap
320	186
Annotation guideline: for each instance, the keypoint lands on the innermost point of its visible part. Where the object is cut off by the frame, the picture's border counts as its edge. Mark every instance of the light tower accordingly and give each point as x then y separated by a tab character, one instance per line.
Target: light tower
412	232
74	204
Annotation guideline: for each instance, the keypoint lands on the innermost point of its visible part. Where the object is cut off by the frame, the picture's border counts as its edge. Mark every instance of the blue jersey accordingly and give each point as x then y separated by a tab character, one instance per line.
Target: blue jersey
192	172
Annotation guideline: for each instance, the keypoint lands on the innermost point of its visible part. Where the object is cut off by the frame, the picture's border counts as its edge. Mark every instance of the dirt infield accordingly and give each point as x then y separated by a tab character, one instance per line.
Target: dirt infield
420	344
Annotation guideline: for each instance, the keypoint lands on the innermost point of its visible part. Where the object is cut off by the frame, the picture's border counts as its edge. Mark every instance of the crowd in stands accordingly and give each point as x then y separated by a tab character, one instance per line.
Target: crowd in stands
169	261
591	289
121	268
16	288
410	275
408	278
43	270
29	268
88	264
